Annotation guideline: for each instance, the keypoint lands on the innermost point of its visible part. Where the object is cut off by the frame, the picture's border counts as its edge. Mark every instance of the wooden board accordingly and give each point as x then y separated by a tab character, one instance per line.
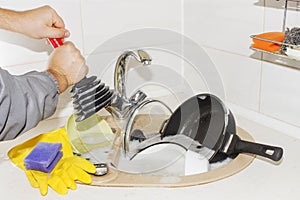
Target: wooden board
117	178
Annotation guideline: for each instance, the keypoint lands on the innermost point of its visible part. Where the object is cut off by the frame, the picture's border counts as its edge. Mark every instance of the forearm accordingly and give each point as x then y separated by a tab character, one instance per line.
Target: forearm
24	101
37	23
9	19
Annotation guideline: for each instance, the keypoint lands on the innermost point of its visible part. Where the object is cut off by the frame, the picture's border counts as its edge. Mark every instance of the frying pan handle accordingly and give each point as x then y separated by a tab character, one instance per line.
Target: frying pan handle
55	42
271	152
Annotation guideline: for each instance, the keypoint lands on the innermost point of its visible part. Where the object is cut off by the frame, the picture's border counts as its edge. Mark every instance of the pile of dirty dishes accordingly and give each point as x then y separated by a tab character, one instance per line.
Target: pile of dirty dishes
198	136
201	130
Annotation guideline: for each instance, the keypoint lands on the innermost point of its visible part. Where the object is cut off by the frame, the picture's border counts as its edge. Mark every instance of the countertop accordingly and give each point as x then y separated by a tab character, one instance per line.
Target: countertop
262	179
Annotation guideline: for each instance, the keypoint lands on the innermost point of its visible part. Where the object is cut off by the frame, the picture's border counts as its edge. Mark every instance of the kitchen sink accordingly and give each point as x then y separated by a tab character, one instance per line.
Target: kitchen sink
124	177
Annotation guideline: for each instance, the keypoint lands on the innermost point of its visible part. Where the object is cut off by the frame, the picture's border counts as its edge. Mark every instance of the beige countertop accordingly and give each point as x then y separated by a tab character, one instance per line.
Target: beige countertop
262	179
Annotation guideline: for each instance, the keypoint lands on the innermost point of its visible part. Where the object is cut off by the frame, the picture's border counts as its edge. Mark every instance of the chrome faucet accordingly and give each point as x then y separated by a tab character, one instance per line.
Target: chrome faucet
122	105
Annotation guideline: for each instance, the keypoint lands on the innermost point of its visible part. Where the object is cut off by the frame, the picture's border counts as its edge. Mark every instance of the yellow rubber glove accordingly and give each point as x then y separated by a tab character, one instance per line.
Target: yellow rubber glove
41	180
69	168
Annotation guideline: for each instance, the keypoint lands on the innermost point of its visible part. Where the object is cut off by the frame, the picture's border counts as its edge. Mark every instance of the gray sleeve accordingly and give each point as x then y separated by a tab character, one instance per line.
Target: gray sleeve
24	101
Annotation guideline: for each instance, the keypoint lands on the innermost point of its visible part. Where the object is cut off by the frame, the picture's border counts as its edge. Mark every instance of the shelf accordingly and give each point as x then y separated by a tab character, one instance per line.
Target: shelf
292	46
276	54
279	53
281	56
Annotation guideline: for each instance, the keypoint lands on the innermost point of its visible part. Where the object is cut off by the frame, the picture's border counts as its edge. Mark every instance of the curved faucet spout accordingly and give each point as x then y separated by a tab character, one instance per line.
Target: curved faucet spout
121	104
122	68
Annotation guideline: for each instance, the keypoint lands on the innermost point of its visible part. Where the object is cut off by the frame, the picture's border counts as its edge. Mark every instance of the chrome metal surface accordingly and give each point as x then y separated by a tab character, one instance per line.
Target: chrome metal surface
284	15
90	95
133	114
121	104
101	169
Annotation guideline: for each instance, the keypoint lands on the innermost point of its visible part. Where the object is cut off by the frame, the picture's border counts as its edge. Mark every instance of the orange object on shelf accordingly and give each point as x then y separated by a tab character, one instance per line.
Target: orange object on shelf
268	46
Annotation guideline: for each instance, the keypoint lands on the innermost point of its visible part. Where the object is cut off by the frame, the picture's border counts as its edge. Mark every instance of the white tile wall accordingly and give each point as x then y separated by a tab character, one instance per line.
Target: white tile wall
274	15
241	77
280	93
274	11
225	37
224	25
164	77
20	54
18	49
104	19
23	68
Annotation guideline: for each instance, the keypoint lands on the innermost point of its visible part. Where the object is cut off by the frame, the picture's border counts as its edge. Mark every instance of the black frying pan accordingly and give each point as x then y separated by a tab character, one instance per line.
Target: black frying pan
233	145
206	119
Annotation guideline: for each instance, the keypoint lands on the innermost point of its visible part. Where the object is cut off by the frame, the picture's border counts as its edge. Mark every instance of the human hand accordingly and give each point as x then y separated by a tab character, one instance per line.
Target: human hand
67	65
40	23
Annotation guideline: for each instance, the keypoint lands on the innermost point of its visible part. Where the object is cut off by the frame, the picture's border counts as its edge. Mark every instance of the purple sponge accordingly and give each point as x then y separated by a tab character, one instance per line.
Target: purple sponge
43	157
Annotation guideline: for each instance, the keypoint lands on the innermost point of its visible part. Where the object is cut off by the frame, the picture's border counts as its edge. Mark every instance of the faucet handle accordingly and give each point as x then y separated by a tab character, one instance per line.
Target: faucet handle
138	97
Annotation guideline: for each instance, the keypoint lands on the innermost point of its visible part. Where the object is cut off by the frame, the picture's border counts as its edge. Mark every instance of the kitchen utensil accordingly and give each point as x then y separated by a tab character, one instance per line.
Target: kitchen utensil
143	150
233	145
198	115
143	124
89	135
206	119
89	94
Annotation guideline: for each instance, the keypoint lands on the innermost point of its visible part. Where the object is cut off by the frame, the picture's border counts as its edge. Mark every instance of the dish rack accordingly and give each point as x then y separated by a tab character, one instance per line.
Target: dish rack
279	53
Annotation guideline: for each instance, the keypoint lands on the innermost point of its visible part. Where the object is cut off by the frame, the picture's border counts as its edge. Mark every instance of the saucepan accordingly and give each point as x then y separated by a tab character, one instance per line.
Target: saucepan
202	124
207	120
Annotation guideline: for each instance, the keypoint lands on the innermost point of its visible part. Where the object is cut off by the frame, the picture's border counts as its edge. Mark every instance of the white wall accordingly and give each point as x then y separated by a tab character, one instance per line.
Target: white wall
222	28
